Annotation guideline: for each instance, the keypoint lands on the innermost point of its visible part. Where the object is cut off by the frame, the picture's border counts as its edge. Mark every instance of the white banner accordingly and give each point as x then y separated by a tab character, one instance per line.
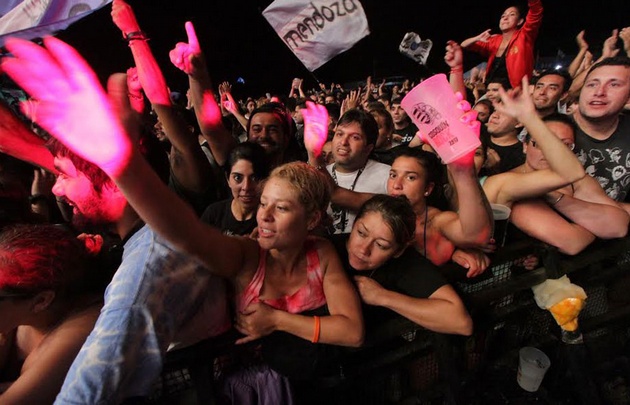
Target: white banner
30	19
317	30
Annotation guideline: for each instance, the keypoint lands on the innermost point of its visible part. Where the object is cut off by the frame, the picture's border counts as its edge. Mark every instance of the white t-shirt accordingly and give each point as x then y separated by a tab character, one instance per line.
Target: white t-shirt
372	179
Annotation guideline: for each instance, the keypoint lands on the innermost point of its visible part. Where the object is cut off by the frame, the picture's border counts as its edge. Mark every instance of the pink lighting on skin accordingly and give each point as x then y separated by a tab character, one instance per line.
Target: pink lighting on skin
315	127
68	92
17	140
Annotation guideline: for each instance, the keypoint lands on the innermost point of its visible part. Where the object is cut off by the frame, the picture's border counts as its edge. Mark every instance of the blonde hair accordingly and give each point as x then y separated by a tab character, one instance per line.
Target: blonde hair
311	185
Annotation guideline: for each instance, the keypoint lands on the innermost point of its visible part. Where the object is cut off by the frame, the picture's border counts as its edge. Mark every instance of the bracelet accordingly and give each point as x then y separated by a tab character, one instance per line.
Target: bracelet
317	328
457	70
558	200
136	35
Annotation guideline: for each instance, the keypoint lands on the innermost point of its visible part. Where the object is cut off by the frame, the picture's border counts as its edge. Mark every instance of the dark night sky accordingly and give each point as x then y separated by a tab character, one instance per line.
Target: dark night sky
238	42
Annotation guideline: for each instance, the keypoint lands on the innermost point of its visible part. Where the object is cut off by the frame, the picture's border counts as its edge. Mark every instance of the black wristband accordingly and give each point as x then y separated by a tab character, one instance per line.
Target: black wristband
37	198
136	35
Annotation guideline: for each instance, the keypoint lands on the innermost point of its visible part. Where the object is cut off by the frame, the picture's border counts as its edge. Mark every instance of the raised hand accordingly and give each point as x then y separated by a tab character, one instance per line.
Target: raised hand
353	99
187	56
516	102
315	127
581	42
133	82
124	17
624	34
609	49
484	36
71	104
454	56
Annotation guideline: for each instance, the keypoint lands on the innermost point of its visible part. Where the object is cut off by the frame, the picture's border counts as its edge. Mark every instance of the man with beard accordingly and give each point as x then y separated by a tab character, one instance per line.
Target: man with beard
603	137
571	217
354	140
157	297
270	125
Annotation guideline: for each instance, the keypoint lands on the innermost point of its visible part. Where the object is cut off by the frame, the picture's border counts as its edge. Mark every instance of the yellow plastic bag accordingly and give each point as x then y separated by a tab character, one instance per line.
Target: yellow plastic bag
563	299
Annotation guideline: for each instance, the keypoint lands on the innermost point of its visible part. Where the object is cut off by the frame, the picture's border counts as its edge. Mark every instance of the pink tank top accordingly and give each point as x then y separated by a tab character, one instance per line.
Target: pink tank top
309	296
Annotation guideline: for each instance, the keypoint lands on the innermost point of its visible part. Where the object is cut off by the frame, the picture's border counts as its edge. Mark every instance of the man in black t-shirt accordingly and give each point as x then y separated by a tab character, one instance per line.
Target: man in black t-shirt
404	129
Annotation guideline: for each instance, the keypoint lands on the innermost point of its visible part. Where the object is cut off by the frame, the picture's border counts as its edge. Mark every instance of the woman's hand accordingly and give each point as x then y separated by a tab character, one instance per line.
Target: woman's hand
472	259
256	321
369	289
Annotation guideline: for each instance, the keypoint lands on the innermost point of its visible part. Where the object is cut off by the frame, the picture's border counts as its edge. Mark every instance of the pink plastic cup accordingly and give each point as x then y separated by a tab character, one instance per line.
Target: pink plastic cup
432	106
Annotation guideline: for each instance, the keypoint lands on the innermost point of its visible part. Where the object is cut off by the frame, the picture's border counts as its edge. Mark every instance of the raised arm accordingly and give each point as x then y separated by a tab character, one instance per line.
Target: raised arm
189	58
472	225
564	167
609	49
533	19
454	58
228	103
188	162
74	108
481	38
624	34
577	61
19	141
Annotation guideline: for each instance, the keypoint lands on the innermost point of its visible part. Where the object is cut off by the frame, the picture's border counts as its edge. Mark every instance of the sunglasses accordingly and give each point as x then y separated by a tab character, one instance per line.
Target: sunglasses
569	145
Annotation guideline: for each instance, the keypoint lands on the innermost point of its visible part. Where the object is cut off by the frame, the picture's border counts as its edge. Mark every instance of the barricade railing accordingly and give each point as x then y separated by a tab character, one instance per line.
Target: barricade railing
404	362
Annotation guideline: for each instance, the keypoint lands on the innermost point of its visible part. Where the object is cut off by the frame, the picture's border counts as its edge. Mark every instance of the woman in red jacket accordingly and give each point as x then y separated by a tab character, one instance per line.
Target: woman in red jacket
511	53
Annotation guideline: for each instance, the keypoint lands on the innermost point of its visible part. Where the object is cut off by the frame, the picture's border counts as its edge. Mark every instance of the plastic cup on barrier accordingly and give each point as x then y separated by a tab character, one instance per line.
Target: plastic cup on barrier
501	215
532	366
432	106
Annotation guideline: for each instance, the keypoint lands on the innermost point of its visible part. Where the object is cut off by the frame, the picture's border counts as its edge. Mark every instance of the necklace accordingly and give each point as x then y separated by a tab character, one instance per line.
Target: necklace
343	222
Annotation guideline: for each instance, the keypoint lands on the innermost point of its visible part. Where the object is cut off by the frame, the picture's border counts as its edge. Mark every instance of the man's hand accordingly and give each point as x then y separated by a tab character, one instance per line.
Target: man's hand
516	102
581	42
609	49
315	127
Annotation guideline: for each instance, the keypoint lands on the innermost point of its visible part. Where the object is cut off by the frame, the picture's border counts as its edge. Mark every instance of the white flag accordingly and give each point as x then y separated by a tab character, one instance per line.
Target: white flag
413	47
317	30
30	19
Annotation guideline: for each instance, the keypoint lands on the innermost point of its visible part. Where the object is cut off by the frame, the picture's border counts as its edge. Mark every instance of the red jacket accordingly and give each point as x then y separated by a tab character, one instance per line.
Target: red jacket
520	51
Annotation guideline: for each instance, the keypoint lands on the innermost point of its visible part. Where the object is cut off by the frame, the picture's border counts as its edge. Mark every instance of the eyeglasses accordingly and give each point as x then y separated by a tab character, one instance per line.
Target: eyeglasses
569	145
